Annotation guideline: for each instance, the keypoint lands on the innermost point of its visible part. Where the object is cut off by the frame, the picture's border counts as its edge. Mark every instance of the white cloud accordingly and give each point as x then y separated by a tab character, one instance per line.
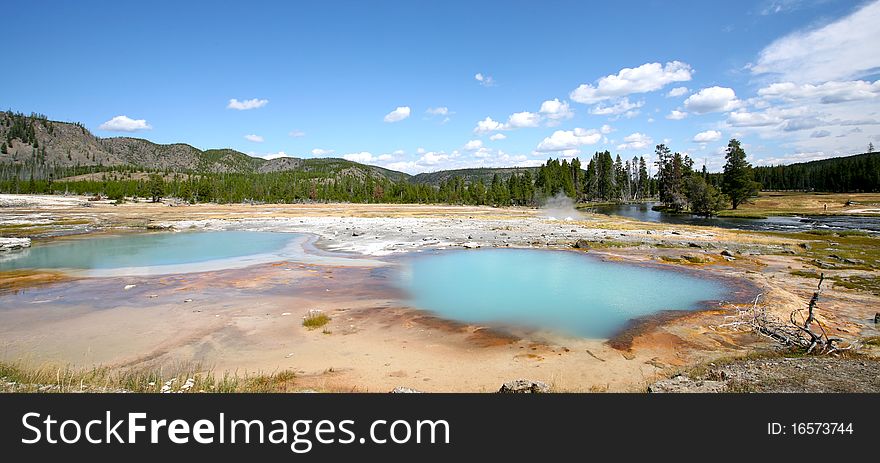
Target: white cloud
555	111
676	115
606	129
523	119
254	138
484	80
568	139
473	145
362	157
498	136
840	50
707	136
432	158
677	91
246	104
438	111
820	134
296	133
399	114
321	152
125	124
826	93
488	125
635	141
515	121
712	99
280	154
645	78
622	106
751	119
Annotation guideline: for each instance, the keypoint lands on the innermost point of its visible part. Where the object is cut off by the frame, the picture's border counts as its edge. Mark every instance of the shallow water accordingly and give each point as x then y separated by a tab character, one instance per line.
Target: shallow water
644	213
556	290
170	252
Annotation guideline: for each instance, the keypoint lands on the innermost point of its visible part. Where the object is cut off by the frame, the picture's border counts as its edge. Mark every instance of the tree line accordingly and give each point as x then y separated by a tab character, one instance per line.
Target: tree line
676	184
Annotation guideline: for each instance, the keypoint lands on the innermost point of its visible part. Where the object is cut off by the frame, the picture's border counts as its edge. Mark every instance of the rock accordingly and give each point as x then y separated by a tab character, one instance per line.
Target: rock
523	386
581	244
854	261
805	246
681	383
14	244
127	287
404	390
470	245
823	264
726	253
694	245
877	317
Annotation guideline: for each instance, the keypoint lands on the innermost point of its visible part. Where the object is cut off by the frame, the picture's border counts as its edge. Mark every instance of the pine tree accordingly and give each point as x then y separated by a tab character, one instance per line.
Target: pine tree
737	184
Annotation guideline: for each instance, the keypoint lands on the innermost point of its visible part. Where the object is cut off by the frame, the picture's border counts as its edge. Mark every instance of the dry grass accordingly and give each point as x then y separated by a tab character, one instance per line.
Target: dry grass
183	378
315	320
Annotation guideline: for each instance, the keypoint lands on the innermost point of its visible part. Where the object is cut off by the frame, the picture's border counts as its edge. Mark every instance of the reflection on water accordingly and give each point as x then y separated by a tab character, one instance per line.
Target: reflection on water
643	212
557	290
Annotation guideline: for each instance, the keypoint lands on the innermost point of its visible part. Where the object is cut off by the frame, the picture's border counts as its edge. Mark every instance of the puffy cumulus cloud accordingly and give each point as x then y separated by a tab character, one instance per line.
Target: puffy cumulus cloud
473	145
488	125
677	91
125	124
707	136
826	93
515	121
363	157
498	136
606	129
432	158
622	106
562	140
555	111
839	50
676	115
645	78
253	103
321	152
712	99
254	138
280	154
399	114
523	119
635	141
296	133
484	80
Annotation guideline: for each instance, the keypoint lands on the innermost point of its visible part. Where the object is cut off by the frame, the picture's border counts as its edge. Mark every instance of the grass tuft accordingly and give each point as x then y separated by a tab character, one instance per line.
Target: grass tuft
315	320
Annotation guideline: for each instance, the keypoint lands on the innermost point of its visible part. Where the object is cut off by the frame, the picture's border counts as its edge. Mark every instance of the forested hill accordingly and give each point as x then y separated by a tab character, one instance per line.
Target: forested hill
486	174
857	173
37	146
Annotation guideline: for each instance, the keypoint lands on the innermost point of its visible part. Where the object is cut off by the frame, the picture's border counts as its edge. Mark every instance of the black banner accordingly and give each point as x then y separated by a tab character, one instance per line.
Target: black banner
322	427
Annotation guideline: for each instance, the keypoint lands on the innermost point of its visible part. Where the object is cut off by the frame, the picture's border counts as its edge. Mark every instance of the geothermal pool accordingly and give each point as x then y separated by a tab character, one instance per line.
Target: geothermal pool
171	252
561	291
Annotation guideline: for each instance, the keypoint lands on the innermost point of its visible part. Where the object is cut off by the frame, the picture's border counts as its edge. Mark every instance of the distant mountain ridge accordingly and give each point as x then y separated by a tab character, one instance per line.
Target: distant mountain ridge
65	144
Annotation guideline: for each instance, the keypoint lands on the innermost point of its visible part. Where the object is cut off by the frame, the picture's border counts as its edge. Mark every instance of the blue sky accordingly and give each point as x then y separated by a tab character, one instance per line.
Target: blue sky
422	86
